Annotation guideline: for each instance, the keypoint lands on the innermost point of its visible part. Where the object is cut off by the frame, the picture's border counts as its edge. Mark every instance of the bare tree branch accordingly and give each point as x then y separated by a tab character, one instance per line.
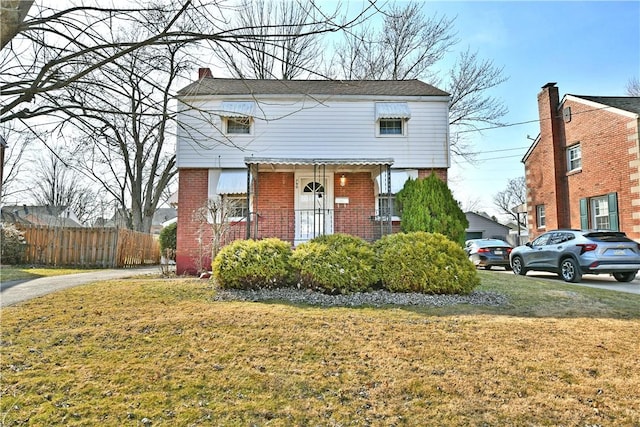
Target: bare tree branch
514	195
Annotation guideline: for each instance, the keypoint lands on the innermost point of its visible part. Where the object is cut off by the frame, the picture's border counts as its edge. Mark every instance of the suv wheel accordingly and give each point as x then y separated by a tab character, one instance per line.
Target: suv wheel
570	271
626	276
518	266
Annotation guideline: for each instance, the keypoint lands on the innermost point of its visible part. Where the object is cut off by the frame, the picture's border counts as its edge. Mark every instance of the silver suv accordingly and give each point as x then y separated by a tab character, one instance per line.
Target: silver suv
572	253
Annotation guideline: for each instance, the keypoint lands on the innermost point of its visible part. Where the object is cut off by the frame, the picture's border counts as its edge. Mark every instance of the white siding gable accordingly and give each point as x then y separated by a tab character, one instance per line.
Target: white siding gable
307	127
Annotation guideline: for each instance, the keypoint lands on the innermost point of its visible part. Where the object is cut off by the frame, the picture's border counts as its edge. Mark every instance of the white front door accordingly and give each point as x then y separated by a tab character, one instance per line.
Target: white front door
314	207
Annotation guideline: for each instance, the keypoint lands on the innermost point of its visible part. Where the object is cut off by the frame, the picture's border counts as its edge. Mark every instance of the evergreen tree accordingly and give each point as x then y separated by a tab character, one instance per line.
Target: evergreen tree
428	205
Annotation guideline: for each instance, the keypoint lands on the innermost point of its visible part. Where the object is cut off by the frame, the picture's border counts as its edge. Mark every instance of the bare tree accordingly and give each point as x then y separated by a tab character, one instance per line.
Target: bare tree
54	183
408	46
633	87
124	127
282	39
14	142
58	47
513	195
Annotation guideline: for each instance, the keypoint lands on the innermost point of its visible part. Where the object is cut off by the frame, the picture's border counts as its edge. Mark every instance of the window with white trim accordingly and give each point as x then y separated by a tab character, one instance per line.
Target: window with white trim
541	219
236	206
574	158
391	127
238	125
391	118
600	213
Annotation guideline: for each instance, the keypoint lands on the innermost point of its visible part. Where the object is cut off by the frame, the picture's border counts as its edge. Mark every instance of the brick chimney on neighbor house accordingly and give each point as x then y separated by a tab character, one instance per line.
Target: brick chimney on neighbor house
204	73
552	138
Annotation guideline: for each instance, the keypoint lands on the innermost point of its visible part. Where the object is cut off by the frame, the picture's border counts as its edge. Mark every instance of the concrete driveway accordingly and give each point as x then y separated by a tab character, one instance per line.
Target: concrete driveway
13	292
600	281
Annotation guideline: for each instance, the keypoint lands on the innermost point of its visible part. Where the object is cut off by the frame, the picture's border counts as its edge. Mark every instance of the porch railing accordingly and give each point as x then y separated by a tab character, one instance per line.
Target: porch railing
297	226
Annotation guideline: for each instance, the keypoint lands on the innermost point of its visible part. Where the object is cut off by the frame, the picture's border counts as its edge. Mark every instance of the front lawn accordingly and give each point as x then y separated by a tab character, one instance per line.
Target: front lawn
160	352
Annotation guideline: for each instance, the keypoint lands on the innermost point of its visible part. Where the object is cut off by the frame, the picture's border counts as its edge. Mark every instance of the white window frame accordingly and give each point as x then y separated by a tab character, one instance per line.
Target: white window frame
600	211
227	199
574	158
541	218
248	122
403	129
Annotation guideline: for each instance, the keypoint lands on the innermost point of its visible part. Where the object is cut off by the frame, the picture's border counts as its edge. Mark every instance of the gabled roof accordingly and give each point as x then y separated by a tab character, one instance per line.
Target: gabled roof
39	215
216	86
625	103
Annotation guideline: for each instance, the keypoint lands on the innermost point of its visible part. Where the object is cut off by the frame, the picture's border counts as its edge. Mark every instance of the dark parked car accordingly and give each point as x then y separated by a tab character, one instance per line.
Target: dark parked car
488	253
572	253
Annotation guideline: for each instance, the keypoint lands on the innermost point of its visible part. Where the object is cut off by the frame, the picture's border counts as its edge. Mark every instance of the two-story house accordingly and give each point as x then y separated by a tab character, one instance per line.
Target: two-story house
583	169
294	159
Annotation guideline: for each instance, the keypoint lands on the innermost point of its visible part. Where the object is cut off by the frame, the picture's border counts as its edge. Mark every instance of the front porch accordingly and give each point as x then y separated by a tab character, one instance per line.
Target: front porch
299	199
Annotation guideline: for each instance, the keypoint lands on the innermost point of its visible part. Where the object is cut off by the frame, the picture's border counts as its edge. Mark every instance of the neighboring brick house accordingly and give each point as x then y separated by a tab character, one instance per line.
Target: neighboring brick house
294	159
583	170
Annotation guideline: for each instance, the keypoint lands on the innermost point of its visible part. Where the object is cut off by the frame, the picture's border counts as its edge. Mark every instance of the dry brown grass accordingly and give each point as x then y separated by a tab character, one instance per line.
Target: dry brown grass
119	352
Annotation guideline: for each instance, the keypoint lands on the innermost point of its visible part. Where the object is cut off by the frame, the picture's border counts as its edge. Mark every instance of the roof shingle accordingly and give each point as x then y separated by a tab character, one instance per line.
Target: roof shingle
626	103
216	86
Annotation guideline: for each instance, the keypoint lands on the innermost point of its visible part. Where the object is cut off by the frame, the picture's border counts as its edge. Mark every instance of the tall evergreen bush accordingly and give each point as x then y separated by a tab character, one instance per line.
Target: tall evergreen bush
428	205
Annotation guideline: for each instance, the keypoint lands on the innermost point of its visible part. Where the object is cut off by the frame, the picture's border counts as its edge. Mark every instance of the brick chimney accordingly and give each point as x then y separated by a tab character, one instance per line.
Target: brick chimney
552	136
204	73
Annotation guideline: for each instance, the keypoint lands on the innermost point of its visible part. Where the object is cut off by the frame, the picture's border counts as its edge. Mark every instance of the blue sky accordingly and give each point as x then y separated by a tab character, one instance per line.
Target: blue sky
587	47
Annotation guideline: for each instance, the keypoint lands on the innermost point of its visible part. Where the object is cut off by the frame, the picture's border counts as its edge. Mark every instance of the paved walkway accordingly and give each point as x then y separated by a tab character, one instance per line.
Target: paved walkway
13	292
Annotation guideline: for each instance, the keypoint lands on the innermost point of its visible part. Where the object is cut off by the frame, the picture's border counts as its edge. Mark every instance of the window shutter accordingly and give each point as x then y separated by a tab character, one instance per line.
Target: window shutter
584	214
613	211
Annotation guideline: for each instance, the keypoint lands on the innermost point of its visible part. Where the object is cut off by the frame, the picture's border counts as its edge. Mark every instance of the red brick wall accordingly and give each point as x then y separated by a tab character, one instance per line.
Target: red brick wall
274	194
192	194
609	160
440	173
355	217
275	204
610	157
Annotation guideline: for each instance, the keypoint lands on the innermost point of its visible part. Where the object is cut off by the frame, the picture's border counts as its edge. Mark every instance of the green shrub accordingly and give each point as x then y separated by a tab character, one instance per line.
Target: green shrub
168	240
424	262
335	264
13	245
253	264
428	205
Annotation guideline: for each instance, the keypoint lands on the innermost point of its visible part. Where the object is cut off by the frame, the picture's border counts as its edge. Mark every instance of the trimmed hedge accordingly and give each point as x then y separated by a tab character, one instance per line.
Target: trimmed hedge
335	264
253	264
425	263
339	264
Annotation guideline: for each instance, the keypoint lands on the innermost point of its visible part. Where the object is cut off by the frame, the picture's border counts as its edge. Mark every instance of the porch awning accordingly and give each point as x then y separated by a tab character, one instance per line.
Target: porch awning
232	182
311	162
398	178
392	110
238	109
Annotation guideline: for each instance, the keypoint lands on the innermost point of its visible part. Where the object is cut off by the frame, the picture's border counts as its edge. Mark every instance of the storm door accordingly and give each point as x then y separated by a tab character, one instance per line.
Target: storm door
314	210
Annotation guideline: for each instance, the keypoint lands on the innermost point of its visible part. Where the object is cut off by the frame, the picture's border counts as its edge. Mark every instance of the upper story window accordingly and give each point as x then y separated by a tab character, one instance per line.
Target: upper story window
238	117
574	157
391	127
238	125
391	118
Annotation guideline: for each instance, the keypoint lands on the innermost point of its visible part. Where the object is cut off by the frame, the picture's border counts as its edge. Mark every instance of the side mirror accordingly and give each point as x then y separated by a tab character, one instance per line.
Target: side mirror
529	244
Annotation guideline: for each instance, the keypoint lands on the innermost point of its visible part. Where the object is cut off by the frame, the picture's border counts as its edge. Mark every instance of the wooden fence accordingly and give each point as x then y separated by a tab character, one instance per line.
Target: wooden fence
89	247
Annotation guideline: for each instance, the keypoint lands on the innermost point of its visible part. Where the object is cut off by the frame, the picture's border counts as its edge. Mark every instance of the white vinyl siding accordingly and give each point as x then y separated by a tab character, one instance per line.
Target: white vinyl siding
290	128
